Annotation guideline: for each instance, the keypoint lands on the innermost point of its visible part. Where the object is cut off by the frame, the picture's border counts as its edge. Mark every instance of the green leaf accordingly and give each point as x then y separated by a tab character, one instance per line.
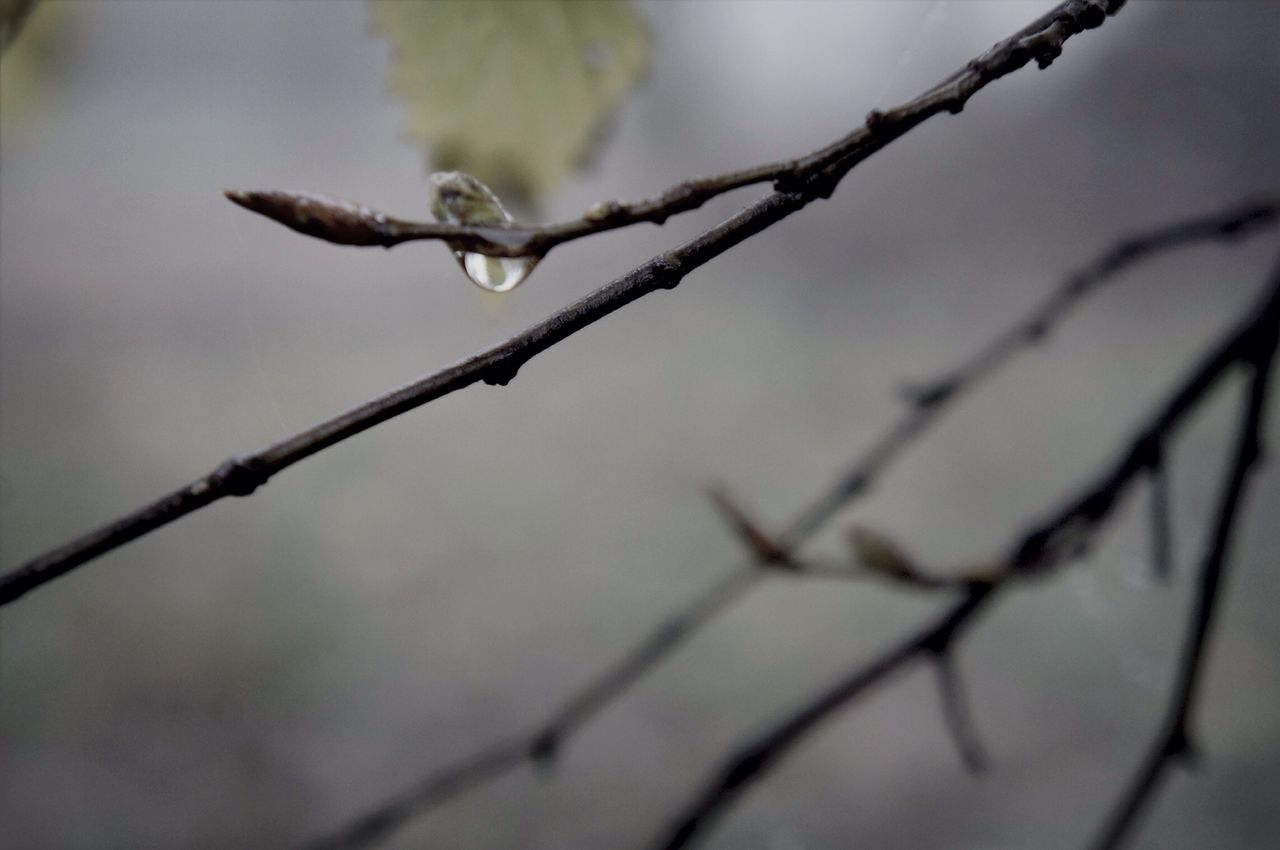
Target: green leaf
512	91
36	58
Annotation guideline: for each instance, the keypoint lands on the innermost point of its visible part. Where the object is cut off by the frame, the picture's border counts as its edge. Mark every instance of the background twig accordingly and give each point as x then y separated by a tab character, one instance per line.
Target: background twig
1173	743
1049	545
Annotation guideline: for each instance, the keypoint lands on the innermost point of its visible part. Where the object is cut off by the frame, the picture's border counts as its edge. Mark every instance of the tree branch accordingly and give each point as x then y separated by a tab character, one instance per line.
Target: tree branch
749	761
817	177
1050	545
438	788
771	557
1174	742
350	223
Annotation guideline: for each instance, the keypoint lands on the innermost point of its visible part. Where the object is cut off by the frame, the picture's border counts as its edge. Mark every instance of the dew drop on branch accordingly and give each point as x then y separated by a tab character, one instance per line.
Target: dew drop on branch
460	198
495	274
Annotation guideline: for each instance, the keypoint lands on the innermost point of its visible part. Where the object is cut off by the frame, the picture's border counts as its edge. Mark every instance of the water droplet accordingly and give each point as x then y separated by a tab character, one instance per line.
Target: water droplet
495	274
459	198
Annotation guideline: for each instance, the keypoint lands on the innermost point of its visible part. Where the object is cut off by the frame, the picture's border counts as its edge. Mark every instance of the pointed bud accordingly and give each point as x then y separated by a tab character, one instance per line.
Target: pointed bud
330	219
877	553
766	551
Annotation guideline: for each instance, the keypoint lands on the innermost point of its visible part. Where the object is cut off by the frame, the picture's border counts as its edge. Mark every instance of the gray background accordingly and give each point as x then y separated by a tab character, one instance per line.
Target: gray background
265	668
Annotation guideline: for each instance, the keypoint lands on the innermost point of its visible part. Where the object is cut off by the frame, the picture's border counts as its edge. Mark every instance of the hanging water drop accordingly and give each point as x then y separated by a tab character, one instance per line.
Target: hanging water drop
495	274
459	198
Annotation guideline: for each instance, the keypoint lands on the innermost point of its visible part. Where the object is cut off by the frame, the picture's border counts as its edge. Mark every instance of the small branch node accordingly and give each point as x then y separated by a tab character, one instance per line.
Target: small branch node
605	211
822	184
681	193
853	486
1095	14
240	476
1046	54
1038	330
1182	750
925	395
666	272
501	373
544	748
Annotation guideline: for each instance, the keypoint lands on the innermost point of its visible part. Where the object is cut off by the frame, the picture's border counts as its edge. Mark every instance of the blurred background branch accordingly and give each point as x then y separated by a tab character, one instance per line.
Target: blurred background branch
1250	345
1040	549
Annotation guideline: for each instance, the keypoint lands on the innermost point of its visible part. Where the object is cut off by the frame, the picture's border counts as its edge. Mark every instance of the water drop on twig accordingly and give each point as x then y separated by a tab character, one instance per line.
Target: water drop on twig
459	198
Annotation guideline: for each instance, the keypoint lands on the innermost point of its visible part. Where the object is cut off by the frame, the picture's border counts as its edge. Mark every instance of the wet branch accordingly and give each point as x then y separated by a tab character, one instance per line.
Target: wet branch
773	556
351	223
815	177
1052	544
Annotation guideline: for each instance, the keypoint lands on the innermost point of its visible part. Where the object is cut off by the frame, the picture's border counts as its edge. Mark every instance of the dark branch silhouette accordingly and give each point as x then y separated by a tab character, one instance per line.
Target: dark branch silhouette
815	176
752	759
955	710
772	557
1174	743
439	787
1050	545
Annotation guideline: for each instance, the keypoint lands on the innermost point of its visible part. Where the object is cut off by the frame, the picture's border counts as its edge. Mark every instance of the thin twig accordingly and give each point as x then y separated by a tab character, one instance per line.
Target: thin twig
1031	330
955	711
923	411
1161	518
1173	744
671	633
817	177
436	789
751	760
351	223
1049	545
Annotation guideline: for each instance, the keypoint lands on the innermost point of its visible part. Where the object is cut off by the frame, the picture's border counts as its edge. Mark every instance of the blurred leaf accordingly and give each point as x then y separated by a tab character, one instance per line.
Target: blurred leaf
512	91
13	13
31	66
